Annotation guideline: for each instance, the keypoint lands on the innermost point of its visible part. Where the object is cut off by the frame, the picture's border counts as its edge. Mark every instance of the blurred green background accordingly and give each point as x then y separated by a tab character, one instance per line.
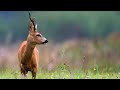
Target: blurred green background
58	25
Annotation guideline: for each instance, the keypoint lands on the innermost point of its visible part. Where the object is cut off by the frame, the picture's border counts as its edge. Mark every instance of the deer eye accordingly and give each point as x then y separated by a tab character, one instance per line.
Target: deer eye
38	35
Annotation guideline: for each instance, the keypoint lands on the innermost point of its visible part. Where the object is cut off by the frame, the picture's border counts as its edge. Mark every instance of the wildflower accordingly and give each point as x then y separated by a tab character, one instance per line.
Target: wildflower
94	69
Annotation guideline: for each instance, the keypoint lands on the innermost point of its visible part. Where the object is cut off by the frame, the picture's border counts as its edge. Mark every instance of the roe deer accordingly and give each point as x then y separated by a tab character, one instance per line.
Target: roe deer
28	54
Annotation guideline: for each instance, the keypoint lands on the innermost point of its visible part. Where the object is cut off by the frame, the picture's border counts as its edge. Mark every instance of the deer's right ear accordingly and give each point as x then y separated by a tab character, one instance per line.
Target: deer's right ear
36	26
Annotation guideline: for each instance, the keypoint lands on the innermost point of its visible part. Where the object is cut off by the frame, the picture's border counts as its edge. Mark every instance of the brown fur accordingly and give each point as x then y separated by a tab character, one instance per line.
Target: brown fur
28	54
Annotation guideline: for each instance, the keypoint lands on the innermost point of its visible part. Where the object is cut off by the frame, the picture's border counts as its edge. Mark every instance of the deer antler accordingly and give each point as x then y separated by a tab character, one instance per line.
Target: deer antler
32	20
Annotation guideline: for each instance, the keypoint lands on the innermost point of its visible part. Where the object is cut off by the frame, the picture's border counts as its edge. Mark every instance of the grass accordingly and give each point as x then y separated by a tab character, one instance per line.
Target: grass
100	61
61	72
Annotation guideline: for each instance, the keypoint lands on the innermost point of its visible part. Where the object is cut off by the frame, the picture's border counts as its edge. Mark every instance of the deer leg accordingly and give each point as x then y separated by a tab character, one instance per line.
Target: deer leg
24	74
33	75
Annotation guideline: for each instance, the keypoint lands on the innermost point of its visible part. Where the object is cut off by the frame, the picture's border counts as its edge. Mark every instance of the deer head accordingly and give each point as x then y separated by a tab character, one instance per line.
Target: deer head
34	36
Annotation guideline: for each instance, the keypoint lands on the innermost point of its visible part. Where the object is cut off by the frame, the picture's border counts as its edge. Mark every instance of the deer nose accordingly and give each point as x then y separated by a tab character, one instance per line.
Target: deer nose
45	41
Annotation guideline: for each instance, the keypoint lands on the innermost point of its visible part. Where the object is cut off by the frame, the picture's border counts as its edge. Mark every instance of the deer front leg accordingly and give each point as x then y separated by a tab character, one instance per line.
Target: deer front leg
33	75
34	71
24	73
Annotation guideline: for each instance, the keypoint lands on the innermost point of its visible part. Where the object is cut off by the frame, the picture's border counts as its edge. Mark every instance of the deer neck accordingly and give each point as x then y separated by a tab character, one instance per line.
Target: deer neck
28	52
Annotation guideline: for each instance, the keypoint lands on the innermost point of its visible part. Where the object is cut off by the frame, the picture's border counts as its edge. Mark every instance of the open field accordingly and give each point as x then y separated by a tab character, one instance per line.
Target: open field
72	59
61	73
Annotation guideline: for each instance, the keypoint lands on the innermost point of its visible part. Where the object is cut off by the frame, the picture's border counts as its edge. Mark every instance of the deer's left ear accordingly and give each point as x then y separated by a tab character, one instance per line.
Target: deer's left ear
36	26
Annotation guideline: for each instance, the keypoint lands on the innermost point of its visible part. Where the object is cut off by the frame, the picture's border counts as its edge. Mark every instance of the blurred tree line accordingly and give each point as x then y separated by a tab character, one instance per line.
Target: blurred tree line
58	25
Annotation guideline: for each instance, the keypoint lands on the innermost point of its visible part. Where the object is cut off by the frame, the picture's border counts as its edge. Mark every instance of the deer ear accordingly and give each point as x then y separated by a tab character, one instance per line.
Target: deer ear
36	26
